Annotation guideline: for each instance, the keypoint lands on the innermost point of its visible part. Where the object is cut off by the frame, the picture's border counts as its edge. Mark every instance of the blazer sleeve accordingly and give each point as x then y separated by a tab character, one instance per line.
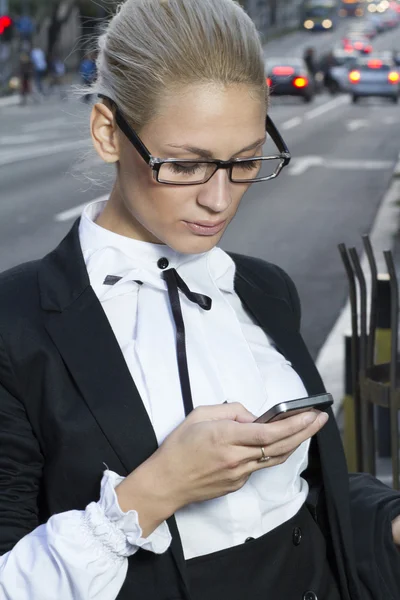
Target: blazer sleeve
21	463
75	555
373	507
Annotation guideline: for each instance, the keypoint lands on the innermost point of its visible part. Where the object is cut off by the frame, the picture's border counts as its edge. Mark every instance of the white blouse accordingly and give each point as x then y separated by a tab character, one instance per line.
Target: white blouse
230	359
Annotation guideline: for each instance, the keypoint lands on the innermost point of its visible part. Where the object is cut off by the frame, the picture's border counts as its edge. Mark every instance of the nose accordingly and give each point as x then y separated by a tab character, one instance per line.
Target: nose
216	194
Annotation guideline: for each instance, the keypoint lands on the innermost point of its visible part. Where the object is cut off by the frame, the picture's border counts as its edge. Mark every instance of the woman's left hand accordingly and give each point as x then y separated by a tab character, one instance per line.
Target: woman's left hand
396	530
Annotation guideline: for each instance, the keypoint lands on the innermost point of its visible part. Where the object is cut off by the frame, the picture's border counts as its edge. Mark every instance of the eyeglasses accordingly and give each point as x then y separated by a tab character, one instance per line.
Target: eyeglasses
174	171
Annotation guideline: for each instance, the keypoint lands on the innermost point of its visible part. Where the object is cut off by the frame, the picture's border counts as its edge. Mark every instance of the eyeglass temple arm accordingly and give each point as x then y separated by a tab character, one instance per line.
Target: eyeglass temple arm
129	132
277	138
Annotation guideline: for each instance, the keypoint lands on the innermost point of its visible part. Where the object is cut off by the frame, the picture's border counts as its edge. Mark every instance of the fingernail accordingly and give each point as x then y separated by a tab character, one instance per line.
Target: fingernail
323	417
309	418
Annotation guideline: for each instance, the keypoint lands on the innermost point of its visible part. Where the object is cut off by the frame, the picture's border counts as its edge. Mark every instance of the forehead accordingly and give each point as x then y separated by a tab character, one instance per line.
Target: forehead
209	116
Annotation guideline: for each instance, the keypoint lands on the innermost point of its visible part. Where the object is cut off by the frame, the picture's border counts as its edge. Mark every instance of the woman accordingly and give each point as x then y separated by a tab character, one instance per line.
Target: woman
112	486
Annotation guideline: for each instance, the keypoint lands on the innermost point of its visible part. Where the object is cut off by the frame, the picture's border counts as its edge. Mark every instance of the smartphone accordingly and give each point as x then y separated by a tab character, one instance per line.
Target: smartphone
294	407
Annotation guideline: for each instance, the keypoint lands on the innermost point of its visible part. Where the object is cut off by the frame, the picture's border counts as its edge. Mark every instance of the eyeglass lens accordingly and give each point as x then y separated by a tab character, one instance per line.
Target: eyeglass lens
198	172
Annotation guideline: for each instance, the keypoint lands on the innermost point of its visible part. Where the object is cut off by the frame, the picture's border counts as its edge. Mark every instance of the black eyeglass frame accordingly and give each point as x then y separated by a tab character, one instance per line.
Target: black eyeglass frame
156	163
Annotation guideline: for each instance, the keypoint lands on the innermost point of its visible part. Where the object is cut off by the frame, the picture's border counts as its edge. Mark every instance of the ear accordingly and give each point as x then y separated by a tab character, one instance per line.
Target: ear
104	133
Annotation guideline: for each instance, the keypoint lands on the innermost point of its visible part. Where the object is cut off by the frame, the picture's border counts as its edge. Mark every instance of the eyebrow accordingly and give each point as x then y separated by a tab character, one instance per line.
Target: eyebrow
207	154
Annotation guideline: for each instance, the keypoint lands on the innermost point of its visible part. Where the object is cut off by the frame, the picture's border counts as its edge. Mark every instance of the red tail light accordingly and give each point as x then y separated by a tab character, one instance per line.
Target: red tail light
354	76
269	81
368	49
300	82
394	77
283	71
375	64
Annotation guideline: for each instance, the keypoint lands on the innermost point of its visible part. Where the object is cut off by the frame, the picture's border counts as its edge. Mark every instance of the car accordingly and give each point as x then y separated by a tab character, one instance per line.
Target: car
357	42
335	66
375	76
289	77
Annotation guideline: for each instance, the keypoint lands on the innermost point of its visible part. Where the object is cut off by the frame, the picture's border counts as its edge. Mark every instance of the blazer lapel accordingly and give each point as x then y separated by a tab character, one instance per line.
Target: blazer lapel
81	331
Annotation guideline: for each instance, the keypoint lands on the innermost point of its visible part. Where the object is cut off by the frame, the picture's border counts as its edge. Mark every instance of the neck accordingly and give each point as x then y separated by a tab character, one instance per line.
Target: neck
117	218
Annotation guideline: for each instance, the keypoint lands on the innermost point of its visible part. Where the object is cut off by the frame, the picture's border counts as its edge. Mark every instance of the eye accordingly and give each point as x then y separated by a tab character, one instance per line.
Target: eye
185	168
248	165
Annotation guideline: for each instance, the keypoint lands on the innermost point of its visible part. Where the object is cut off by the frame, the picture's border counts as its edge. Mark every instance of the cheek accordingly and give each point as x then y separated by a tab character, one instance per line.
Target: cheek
148	200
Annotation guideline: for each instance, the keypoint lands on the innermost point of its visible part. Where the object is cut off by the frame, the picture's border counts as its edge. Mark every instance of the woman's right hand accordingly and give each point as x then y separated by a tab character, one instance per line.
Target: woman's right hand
212	453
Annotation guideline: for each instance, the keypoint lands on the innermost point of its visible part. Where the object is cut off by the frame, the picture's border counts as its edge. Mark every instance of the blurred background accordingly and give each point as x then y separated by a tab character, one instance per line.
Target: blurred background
333	70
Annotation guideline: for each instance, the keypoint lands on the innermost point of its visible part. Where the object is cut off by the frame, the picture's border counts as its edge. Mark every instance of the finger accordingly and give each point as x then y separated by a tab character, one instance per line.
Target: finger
260	434
231	411
290	444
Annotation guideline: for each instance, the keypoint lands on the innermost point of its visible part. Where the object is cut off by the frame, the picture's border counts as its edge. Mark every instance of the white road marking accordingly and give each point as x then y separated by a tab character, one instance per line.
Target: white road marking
300	165
9	101
14	140
32	153
72	213
363	165
46	124
291	123
315	112
390	120
355	124
324	108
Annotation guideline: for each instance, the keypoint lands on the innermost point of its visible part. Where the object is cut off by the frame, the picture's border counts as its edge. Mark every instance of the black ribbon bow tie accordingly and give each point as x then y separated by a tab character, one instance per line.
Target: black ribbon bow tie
175	283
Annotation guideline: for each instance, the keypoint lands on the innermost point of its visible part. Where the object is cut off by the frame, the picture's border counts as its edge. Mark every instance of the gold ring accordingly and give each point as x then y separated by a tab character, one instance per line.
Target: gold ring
263	457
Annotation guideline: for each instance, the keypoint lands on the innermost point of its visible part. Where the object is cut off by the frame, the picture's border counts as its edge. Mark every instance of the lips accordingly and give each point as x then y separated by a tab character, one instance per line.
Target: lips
205	227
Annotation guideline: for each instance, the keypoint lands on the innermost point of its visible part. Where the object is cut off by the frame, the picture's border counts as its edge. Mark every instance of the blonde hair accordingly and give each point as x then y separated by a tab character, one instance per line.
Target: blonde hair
152	46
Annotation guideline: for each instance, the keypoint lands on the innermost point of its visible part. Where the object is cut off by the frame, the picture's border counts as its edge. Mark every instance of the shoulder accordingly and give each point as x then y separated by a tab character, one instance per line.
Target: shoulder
270	278
19	292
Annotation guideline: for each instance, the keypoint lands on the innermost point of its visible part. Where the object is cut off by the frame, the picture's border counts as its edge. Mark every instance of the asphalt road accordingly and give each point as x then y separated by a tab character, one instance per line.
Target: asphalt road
343	158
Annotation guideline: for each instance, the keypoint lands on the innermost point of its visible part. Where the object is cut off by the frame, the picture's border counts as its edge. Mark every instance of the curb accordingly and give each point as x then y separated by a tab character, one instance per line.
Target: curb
331	358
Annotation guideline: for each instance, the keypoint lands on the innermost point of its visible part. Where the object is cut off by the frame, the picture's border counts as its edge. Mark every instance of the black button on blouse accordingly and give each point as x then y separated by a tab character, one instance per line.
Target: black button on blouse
163	263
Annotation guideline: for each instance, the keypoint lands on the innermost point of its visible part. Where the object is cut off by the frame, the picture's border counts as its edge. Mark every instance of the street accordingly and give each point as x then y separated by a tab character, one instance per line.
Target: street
343	157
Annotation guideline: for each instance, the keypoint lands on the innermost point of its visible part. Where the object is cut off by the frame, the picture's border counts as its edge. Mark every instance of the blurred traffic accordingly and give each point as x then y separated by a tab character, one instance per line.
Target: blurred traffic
344	66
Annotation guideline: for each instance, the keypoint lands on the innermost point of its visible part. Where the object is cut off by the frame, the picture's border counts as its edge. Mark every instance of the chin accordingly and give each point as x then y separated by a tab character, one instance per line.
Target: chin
193	244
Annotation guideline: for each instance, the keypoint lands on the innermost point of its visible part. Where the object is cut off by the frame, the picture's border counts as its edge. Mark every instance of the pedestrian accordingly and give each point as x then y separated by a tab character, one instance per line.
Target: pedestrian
25	74
88	73
57	74
39	68
309	59
136	355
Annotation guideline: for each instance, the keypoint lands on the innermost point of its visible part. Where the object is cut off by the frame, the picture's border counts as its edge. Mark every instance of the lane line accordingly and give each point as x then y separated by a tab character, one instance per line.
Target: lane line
300	165
9	101
314	112
76	211
291	123
48	123
31	153
324	108
14	140
356	124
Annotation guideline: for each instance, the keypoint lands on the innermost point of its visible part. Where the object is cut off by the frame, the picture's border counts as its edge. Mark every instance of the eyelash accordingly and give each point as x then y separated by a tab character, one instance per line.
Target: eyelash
191	170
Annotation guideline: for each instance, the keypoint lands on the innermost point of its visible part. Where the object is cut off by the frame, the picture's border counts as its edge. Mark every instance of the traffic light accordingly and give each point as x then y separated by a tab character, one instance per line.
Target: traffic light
6	28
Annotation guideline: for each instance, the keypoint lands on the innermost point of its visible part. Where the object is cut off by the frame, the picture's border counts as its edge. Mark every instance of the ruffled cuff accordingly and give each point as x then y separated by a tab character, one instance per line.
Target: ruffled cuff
118	531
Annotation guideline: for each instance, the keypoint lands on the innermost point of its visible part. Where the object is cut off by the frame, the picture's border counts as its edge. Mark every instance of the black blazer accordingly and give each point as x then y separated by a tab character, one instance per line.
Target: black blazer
68	406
